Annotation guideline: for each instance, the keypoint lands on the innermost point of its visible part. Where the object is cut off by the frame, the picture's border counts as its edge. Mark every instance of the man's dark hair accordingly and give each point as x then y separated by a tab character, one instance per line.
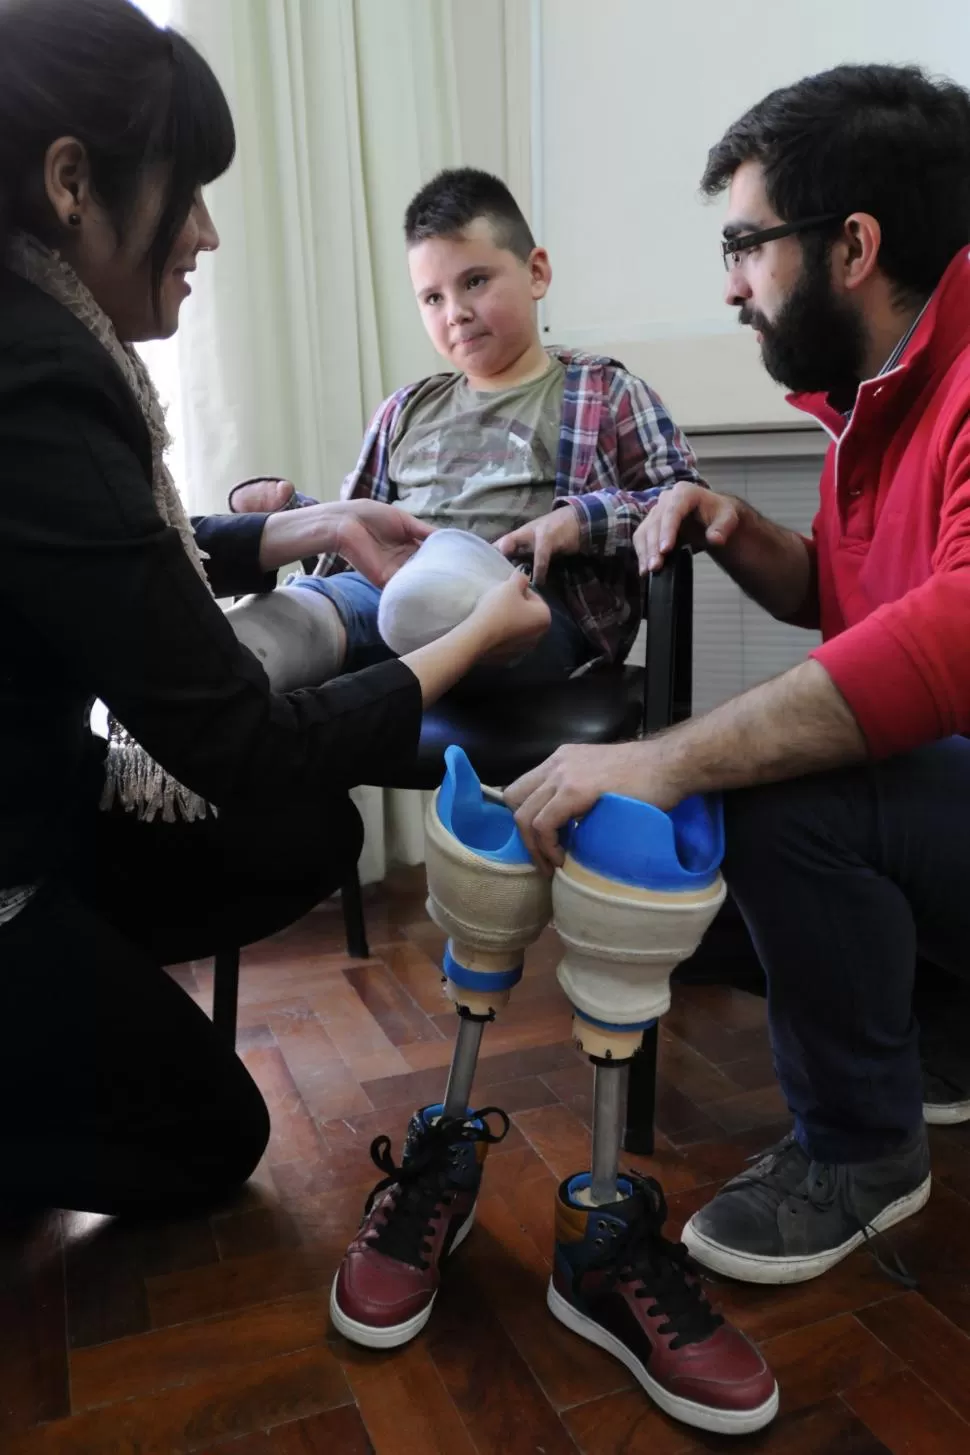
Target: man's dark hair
887	140
135	95
453	199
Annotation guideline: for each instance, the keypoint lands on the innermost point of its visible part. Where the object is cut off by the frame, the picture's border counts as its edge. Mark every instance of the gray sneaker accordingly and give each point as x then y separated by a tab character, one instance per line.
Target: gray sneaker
943	1008
789	1218
946	1096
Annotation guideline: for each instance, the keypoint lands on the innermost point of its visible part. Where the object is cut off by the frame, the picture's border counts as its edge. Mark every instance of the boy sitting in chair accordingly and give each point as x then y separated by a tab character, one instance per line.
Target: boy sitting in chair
547	453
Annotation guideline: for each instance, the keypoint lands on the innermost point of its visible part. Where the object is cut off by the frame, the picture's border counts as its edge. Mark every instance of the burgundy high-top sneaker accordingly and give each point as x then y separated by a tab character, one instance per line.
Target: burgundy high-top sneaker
416	1215
620	1283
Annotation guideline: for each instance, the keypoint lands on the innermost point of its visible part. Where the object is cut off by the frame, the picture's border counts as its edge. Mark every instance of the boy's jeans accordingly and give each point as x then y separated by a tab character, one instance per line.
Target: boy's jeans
555	657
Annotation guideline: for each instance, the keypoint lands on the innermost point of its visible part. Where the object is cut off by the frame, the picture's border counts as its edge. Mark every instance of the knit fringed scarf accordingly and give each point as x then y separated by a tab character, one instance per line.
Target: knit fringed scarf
133	779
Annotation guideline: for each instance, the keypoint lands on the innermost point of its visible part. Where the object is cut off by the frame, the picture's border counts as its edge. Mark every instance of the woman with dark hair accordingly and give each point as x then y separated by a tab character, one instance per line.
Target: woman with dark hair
170	843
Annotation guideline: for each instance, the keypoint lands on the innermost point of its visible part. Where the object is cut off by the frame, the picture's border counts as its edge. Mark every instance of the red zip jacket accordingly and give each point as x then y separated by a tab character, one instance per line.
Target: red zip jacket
892	535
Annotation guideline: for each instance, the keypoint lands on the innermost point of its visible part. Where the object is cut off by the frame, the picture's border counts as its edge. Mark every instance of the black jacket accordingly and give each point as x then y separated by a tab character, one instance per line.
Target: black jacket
98	599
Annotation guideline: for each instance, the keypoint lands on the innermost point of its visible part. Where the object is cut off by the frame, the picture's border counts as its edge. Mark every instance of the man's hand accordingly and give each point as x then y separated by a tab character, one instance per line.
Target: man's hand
376	539
689	514
555	534
567	785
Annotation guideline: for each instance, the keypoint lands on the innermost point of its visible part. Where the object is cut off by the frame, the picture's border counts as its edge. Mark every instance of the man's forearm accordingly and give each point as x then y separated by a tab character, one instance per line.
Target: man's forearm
795	724
770	563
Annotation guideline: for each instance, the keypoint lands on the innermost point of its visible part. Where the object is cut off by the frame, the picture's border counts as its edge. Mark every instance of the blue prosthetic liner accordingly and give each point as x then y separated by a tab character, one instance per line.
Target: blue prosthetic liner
623	1027
620	838
639	845
488	829
432	1113
582	1182
488	982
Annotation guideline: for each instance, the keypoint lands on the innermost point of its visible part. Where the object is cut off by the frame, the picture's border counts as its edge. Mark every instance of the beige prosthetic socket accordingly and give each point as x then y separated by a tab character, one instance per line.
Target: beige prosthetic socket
295	633
620	946
491	911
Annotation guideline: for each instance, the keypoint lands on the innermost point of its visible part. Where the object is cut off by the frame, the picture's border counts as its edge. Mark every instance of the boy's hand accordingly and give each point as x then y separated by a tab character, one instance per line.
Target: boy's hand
512	618
555	534
266	494
376	539
691	514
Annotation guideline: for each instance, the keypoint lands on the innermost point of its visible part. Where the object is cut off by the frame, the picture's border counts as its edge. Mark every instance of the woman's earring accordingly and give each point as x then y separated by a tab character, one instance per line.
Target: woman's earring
74	218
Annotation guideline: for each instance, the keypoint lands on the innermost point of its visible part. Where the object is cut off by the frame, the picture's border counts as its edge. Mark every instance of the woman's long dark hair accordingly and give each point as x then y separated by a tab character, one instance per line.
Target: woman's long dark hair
135	95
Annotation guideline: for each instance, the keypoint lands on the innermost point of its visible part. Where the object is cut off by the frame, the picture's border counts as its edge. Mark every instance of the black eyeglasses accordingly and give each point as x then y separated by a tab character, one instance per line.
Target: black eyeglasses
733	247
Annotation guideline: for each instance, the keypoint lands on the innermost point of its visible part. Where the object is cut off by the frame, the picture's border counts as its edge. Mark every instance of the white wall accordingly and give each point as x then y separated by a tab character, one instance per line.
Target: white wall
633	93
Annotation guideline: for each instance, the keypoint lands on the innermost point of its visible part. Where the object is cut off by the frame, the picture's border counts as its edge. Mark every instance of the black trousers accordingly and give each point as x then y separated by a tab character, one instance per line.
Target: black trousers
119	1097
847	882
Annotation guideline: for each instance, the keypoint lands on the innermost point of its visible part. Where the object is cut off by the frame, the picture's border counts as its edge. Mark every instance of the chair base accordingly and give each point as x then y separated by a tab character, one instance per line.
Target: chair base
225	993
638	1135
355	928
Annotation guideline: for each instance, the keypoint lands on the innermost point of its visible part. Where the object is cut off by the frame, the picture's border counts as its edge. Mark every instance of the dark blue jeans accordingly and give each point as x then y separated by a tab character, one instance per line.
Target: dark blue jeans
843	878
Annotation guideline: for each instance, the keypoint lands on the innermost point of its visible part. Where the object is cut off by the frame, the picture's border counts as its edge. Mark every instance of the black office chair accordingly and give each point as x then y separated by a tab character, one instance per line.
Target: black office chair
506	737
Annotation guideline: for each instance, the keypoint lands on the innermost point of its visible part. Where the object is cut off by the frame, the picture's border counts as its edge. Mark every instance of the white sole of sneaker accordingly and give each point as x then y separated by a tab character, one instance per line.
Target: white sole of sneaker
749	1268
375	1337
937	1115
702	1417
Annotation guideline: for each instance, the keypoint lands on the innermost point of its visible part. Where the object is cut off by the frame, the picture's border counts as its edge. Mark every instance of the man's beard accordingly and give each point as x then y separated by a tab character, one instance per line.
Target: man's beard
817	341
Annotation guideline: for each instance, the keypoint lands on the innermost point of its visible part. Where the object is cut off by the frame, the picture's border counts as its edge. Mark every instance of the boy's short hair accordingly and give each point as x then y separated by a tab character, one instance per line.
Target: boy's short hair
455	198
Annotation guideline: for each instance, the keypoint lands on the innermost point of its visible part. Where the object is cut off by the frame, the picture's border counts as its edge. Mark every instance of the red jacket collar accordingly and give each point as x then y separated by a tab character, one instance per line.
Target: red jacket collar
941	334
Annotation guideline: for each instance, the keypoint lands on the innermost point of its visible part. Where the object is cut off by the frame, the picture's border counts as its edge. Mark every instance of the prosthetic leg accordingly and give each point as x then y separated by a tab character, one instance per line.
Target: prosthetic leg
634	897
487	896
636	893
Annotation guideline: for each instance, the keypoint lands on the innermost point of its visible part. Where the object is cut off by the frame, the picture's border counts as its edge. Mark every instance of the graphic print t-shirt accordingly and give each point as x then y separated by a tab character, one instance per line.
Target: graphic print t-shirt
479	461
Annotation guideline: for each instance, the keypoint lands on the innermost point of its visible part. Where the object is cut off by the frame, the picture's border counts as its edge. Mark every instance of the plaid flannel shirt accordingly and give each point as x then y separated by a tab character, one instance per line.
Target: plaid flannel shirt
618	449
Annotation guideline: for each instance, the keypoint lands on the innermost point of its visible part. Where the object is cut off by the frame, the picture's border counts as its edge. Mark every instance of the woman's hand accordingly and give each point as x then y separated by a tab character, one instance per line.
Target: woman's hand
511	618
376	539
508	620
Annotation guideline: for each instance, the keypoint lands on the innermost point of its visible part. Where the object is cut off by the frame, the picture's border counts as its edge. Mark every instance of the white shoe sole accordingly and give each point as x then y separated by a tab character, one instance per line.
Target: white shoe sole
372	1336
943	1115
701	1416
752	1268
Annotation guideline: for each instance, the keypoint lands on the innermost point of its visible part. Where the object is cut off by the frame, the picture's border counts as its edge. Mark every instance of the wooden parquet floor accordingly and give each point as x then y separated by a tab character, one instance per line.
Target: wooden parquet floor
213	1335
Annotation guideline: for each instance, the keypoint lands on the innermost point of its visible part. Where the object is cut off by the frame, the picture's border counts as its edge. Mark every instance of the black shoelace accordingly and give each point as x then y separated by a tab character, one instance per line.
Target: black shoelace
827	1184
423	1183
824	1185
660	1269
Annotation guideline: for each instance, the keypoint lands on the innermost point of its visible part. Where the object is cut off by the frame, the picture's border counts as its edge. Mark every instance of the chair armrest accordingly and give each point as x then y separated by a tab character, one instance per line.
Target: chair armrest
668	680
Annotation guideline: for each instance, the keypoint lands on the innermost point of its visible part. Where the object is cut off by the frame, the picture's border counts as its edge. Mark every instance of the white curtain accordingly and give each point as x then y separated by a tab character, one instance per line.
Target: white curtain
304	320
